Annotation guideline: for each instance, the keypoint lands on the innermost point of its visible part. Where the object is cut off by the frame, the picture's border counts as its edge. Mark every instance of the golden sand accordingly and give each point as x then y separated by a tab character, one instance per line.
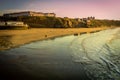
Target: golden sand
21	37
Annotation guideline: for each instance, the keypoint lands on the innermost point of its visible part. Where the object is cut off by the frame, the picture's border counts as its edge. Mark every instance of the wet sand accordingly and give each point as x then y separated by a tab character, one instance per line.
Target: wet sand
14	38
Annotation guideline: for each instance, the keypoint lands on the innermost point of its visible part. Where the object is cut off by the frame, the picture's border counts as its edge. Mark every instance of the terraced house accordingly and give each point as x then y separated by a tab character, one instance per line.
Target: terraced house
29	13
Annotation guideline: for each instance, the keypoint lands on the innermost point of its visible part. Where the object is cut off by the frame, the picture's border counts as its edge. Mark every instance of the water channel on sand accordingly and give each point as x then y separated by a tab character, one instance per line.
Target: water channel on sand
84	57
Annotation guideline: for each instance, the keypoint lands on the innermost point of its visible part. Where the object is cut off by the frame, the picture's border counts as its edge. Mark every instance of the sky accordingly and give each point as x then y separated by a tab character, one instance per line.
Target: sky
101	9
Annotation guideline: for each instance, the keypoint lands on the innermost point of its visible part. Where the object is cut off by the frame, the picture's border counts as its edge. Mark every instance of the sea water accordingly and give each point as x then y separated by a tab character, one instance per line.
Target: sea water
99	53
94	56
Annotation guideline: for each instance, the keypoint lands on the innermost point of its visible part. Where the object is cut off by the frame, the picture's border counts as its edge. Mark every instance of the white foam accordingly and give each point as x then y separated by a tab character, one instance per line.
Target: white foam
97	51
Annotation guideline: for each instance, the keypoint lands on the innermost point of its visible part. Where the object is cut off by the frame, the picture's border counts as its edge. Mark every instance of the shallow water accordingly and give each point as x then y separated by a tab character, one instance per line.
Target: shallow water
99	53
93	56
42	60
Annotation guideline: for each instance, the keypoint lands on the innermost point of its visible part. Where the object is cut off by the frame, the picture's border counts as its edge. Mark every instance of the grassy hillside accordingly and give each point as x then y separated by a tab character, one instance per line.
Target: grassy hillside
102	23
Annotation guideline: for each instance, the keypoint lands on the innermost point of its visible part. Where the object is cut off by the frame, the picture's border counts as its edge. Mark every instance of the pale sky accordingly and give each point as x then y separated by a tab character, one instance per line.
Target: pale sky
101	9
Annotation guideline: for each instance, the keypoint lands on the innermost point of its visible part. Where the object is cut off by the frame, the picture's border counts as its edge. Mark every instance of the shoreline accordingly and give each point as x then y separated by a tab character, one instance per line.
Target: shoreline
15	38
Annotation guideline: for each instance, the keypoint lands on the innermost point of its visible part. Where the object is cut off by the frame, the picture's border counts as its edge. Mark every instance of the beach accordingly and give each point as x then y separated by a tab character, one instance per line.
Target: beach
14	38
71	57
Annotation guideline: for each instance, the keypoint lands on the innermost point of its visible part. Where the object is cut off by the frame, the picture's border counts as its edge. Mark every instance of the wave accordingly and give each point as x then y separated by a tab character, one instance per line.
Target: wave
99	53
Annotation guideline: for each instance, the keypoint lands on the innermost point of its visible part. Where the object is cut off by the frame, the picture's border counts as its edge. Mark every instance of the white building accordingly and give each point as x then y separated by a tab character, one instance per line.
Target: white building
13	23
29	13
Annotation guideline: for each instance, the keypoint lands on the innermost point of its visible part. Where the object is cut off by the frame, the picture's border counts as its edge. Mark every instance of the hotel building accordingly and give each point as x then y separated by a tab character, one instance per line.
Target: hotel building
29	13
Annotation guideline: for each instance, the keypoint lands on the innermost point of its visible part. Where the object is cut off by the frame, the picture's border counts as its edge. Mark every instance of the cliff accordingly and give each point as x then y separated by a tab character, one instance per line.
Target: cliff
57	22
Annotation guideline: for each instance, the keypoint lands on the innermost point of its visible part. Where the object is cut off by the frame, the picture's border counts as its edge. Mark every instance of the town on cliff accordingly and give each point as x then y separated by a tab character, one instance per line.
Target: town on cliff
31	19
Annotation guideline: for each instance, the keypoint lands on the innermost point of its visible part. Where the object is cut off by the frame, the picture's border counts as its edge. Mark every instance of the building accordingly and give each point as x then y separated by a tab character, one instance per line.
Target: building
13	23
91	18
29	13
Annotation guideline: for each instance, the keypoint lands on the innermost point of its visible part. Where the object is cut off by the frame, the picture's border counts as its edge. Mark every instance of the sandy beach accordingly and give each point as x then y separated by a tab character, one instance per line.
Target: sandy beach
14	38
